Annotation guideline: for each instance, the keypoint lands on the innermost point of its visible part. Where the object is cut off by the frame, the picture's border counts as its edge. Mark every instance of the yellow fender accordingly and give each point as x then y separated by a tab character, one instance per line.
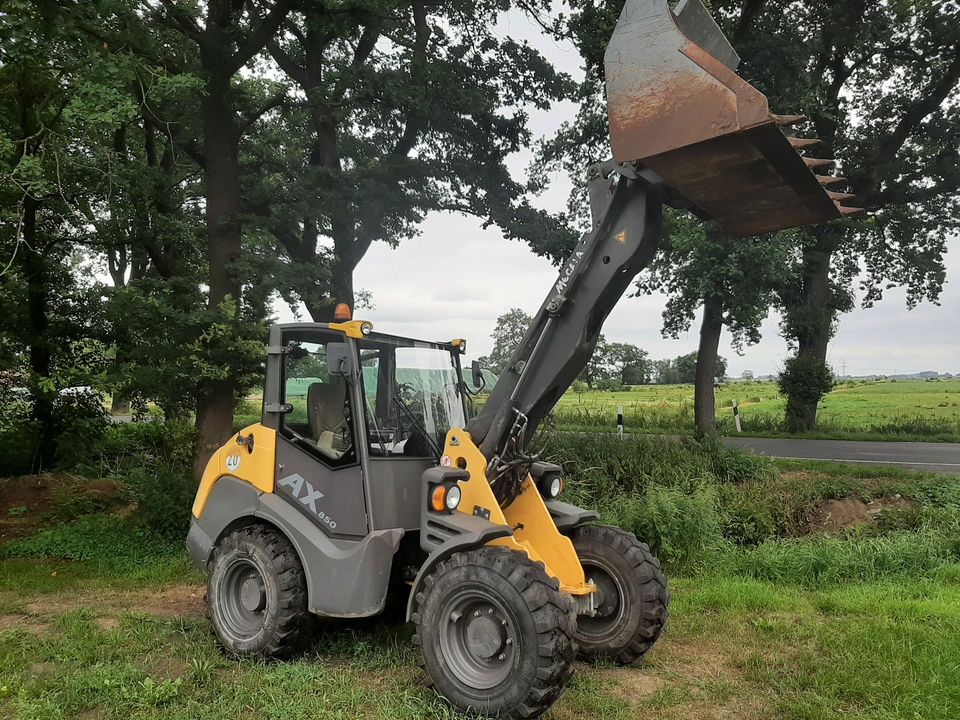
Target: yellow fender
534	531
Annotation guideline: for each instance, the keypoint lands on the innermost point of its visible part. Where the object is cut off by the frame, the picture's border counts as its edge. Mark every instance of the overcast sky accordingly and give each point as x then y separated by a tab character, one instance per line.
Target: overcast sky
456	278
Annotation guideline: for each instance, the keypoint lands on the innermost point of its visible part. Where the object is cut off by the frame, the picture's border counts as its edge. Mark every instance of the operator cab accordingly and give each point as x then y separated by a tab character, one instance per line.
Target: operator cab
360	415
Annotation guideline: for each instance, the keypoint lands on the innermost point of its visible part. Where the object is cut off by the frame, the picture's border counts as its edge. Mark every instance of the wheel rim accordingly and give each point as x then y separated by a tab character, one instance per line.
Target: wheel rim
610	601
243	600
479	638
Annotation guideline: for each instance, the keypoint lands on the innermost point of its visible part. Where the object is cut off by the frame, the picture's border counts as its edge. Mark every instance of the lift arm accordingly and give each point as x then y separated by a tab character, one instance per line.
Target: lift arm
627	208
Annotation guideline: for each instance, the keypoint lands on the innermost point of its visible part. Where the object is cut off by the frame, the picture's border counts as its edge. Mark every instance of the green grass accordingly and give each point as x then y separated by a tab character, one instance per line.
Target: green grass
101	613
735	647
909	410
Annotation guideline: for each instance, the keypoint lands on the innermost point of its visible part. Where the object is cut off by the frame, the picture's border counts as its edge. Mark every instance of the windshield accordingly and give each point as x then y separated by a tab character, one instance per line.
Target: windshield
413	396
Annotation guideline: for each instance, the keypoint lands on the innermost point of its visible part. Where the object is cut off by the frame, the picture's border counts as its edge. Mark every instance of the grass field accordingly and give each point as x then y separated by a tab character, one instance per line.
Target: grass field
77	641
916	410
800	592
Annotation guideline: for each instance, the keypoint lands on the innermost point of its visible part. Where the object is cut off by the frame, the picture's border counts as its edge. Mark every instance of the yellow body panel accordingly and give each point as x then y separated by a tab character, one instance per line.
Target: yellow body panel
534	531
255	465
351	328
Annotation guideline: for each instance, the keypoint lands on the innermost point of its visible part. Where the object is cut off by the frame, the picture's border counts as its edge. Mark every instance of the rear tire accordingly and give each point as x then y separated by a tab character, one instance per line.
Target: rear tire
495	633
257	594
632	596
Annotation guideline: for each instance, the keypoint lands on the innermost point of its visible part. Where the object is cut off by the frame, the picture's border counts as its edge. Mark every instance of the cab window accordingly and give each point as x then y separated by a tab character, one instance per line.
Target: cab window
412	396
320	421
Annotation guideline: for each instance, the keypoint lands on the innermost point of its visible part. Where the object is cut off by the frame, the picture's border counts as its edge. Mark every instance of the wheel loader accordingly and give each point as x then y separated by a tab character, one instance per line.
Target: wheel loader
367	481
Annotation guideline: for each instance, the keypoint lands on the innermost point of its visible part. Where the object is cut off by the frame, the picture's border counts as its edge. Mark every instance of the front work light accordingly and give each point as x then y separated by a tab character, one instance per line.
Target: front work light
550	486
445	498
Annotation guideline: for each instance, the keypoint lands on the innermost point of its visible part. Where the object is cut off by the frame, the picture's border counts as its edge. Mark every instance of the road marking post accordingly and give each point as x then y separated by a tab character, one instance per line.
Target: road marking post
620	421
736	415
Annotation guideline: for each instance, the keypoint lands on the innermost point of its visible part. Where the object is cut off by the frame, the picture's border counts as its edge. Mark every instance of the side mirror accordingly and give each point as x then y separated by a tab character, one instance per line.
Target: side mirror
478	381
340	360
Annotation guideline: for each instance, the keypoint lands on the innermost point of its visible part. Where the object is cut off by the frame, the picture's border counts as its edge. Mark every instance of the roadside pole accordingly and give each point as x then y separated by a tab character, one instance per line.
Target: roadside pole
736	414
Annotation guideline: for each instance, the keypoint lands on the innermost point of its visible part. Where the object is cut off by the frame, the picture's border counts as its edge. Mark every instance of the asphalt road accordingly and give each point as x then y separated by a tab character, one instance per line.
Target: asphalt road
933	457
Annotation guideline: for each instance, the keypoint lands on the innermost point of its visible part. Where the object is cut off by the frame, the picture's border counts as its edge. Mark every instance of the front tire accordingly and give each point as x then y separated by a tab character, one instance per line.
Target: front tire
257	594
632	597
495	633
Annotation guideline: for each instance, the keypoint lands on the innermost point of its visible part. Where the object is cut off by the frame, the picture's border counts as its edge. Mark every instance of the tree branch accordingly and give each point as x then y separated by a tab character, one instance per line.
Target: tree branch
286	62
184	21
418	62
928	100
256	40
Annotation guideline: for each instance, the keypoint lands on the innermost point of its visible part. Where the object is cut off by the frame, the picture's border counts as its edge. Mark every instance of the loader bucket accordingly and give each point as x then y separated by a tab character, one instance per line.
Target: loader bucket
677	106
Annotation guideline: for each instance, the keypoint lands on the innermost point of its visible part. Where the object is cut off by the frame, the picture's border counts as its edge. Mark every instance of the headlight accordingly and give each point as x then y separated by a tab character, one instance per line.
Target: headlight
550	486
453	497
445	498
556	485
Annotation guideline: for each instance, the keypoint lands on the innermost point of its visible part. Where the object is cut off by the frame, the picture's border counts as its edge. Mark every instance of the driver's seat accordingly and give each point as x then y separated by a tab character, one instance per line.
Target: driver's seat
325	405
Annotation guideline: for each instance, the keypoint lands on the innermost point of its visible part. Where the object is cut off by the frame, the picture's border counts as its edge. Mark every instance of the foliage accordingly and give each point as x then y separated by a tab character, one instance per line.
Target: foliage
507	335
683	529
109	539
164	499
682	370
804	381
429	102
166	169
832	561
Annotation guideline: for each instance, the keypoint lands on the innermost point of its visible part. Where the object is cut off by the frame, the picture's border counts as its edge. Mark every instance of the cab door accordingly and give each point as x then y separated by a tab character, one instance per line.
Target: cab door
318	469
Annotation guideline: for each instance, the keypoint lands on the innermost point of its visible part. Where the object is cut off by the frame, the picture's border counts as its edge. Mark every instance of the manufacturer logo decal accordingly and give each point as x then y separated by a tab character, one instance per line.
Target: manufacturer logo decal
445	461
307	495
233	462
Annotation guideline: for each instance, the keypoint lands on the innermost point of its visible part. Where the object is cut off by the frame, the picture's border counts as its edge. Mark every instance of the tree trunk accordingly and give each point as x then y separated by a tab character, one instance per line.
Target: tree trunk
341	291
216	398
704	402
813	324
38	320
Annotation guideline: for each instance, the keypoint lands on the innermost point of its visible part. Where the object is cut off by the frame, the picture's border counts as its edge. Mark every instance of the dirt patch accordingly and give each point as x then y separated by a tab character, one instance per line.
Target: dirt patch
171	601
733	709
107	624
24	501
168	668
28	502
174	601
848	512
22	622
700	660
630	684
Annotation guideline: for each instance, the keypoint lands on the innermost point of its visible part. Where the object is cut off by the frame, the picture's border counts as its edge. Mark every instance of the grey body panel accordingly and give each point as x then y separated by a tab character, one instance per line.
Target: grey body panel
567	517
461	532
345	578
342	508
395	490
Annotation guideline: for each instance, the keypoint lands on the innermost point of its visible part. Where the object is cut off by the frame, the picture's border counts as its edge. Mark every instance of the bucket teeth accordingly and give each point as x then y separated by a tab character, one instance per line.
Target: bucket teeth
786	120
802	143
850	211
831	180
817	163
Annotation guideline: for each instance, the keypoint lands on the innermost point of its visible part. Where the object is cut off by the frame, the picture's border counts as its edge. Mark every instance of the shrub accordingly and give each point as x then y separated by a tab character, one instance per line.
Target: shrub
110	539
829	560
79	423
682	528
19	445
164	499
128	446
